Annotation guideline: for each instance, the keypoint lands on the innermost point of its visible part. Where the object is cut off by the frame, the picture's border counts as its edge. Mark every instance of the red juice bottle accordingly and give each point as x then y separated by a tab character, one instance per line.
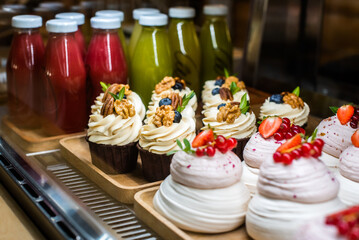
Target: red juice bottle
105	60
65	77
79	18
25	71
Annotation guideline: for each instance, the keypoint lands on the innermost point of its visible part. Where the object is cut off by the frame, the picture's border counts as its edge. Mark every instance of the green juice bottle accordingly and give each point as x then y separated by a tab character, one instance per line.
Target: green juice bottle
137	13
185	48
151	60
215	42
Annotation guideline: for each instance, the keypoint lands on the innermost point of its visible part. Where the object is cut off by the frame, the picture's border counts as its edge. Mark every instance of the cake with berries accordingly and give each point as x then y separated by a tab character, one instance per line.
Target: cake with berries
170	85
343	225
336	132
204	193
114	130
232	119
223	90
293	187
349	173
273	131
286	104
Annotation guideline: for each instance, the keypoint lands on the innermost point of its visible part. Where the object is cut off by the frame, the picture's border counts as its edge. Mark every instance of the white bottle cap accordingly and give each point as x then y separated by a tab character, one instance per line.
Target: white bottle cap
215	10
159	19
182	12
110	14
61	26
74	16
137	13
26	21
52	5
105	23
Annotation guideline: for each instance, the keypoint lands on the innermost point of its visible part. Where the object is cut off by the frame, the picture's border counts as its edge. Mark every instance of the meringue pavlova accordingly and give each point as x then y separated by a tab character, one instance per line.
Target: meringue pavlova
114	129
293	187
204	192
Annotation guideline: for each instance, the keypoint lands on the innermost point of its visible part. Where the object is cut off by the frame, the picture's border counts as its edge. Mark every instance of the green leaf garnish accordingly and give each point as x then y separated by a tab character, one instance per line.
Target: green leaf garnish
114	95
296	91
171	152
226	73
185	101
244	106
104	86
120	95
179	144
187	148
234	89
334	109
314	134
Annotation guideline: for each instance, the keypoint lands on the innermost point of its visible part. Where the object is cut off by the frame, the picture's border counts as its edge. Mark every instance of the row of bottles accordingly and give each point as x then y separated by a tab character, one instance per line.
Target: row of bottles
62	81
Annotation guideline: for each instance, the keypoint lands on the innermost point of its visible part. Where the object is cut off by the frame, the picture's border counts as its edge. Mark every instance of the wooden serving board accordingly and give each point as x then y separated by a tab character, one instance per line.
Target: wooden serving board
32	140
145	211
122	187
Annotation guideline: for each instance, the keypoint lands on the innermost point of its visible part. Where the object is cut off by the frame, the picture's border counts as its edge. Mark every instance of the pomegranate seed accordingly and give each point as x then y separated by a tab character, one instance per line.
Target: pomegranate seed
296	153
231	143
286	121
306	147
317	151
199	152
318	142
353	124
289	135
287	158
278	136
354	234
277	157
221	142
211	151
342	227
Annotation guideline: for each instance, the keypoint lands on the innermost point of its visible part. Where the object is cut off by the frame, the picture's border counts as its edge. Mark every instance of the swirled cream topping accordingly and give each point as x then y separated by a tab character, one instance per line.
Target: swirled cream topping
162	140
335	135
258	149
317	229
243	127
306	180
211	101
219	171
298	116
155	98
349	163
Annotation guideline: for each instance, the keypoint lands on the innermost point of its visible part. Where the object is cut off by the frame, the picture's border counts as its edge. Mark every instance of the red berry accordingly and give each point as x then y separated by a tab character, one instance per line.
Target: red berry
355	118
306	147
286	121
355	138
287	158
297	153
331	220
354	234
302	131
289	135
199	152
343	227
356	112
296	131
221	143
211	151
269	126
318	142
345	113
317	151
203	138
277	157
284	127
231	143
295	127
278	136
353	124
295	141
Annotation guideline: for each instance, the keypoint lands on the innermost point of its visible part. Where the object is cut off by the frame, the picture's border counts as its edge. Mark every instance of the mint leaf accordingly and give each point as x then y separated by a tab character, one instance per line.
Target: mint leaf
226	74
113	95
185	101
334	109
314	135
121	94
104	86
234	89
296	91
171	152
187	144
179	144
244	106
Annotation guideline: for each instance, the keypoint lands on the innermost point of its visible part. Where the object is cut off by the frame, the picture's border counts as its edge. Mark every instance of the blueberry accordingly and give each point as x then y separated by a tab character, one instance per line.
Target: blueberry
219	82
178	117
215	91
124	97
178	86
165	101
221	105
276	98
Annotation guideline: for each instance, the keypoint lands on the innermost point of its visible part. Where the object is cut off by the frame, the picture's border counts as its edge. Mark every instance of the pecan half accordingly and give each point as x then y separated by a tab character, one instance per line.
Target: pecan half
293	100
229	113
124	108
165	84
107	107
176	100
225	94
164	116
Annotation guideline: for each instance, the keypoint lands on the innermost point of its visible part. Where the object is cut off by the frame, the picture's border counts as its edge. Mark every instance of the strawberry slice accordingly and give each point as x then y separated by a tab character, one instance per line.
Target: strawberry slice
203	138
269	126
291	143
355	138
345	113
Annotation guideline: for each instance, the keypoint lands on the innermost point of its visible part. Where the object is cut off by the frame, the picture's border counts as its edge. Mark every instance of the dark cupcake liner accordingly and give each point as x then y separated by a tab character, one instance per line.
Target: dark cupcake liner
113	159
155	167
241	143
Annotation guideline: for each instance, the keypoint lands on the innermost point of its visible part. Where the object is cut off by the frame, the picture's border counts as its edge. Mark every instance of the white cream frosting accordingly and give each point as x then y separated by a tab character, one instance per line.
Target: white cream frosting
298	116
202	210
212	101
305	180
317	230
250	178
269	219
349	191
155	98
331	162
243	127
162	140
349	163
133	98
219	171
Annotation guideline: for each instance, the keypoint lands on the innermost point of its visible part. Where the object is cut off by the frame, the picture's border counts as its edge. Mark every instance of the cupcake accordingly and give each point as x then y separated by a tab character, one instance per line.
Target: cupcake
172	85
349	173
114	129
288	105
223	90
157	138
262	145
343	225
293	187
232	119
204	193
336	132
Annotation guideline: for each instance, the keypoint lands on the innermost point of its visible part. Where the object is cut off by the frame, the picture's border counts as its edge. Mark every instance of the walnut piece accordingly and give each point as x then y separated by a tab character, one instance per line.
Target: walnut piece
124	108
225	94
229	80
116	88
165	84
164	116
229	113
293	100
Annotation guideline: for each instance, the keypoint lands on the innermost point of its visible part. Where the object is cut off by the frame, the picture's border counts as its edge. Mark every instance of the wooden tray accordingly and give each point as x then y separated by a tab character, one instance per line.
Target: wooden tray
144	210
122	187
31	140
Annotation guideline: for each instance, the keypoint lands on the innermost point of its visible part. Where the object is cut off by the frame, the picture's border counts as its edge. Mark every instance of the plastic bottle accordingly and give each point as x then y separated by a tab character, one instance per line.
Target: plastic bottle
65	88
185	46
24	71
152	59
137	13
215	42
